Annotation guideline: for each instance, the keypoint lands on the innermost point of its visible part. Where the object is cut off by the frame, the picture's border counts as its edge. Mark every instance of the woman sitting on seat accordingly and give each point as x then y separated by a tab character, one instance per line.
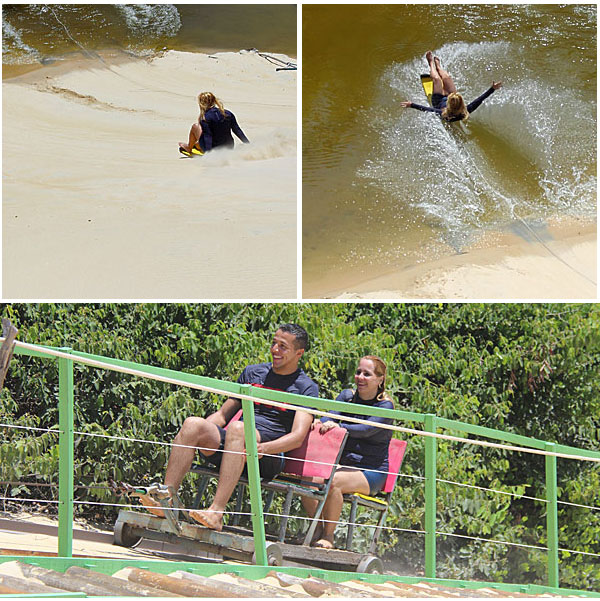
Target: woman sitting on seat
365	456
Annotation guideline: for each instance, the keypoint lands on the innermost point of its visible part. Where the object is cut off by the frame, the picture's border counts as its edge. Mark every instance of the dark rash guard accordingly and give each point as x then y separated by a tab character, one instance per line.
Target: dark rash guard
217	128
470	107
367	446
272	421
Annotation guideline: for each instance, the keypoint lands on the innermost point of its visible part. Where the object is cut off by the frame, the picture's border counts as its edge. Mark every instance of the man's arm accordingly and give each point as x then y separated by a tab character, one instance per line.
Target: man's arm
291	441
227	410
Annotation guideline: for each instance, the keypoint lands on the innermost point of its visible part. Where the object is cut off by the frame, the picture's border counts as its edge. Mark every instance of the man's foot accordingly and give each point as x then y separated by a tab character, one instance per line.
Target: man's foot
429	56
152	505
208	519
323	543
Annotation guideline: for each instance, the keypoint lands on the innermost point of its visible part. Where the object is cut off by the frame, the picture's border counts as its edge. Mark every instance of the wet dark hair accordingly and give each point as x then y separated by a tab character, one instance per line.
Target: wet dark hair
298	332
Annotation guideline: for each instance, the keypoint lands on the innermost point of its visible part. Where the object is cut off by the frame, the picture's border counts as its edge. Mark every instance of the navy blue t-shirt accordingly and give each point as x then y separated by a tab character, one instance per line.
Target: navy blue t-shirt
367	446
217	128
273	420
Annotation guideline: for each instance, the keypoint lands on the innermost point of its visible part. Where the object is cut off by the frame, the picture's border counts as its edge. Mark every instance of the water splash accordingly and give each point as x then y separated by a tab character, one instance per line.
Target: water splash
455	178
14	46
150	20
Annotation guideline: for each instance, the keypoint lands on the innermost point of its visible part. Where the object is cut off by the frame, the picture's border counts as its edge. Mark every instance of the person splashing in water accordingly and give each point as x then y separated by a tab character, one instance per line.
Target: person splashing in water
445	100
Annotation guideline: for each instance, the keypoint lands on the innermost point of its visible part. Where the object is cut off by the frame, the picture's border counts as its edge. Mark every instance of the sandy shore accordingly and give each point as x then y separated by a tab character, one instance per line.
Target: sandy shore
558	264
98	203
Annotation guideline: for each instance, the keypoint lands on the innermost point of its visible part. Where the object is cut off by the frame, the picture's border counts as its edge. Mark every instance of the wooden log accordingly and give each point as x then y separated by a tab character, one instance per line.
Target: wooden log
413	590
317	586
387	587
232	590
65	582
120	587
242	587
495	592
453	591
176	585
12	585
267	588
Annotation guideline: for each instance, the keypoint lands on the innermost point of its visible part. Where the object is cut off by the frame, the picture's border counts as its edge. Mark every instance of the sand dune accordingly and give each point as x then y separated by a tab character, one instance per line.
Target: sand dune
98	203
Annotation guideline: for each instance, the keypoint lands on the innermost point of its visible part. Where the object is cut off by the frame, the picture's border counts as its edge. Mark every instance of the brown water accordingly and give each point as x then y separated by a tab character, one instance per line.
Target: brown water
386	187
34	34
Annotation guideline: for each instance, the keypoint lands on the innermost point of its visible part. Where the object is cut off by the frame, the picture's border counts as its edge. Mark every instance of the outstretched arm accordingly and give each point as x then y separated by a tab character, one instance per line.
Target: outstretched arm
477	102
419	107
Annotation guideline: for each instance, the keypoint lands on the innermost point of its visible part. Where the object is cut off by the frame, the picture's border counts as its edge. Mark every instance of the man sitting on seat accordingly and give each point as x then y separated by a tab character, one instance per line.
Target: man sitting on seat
277	430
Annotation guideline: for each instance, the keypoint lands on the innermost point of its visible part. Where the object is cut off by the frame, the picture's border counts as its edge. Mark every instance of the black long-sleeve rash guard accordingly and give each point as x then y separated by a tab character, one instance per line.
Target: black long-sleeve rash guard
470	107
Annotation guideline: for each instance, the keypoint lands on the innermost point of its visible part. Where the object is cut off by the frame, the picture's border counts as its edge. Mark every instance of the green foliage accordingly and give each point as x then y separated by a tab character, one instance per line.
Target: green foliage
530	369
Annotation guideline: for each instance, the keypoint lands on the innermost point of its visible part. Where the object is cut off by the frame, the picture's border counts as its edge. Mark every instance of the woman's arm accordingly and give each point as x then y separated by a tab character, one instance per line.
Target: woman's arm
237	130
365	430
419	107
206	135
477	102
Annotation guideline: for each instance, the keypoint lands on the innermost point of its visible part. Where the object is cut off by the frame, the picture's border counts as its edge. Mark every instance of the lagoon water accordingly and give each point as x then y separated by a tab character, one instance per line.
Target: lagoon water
42	33
386	187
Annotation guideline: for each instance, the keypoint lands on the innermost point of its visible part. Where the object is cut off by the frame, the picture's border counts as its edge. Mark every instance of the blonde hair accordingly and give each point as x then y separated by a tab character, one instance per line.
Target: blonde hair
206	100
455	107
380	369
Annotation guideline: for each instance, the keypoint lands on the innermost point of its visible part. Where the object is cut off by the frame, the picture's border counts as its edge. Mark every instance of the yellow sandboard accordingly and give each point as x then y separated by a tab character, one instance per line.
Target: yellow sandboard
427	83
194	151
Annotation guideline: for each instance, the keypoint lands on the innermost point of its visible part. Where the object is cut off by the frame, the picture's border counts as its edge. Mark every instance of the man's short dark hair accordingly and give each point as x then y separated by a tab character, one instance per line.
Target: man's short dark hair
298	332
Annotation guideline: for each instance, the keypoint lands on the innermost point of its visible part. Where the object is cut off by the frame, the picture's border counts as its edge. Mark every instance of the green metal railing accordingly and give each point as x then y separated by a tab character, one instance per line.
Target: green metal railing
431	425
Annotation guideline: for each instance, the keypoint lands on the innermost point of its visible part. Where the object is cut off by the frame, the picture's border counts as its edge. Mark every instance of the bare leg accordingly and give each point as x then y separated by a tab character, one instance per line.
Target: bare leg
232	466
448	83
344	481
195	432
310	506
438	86
195	133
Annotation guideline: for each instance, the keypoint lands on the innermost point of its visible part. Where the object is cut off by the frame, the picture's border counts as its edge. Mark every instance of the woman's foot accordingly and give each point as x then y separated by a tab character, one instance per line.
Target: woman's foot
323	543
184	146
318	534
437	62
429	56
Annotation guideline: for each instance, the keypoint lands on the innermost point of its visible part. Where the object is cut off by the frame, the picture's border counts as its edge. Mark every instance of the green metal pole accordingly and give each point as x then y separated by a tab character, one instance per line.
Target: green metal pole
552	516
430	495
65	457
258	524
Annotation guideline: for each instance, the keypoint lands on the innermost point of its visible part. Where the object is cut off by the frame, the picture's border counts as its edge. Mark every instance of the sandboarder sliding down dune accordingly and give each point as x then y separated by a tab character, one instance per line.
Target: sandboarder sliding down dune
214	127
445	100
